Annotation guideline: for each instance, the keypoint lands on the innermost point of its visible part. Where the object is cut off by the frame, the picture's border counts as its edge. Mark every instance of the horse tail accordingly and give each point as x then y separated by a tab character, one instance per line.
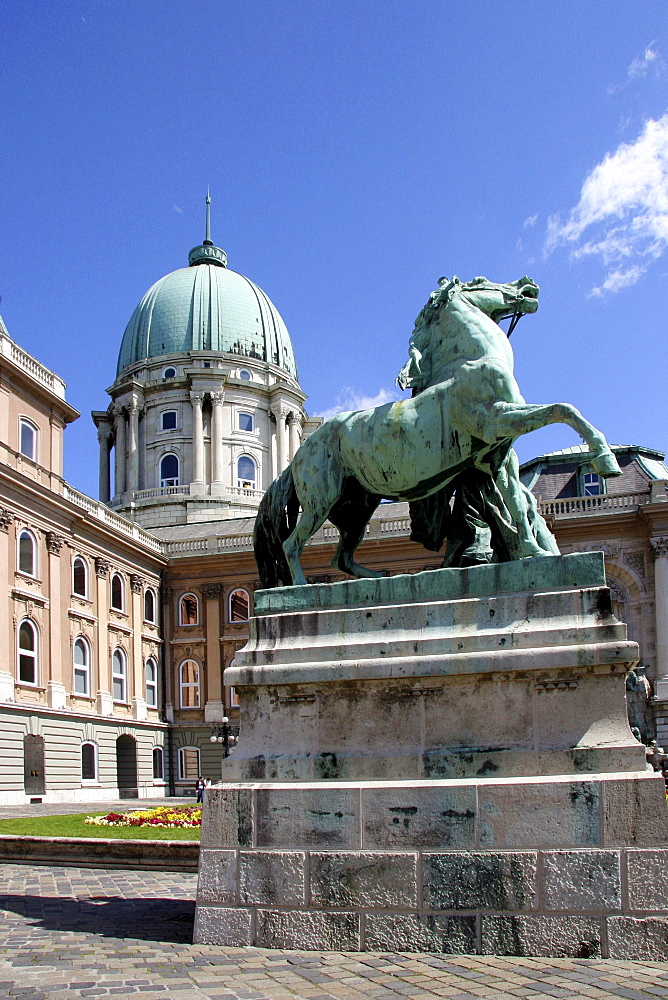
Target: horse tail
276	519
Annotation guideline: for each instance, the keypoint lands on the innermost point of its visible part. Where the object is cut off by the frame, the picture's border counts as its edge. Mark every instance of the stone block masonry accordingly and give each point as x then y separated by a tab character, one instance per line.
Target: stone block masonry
584	903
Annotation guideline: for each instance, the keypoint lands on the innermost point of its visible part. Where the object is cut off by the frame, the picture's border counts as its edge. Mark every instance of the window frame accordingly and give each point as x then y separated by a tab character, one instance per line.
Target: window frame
171	369
194	685
169	481
84	564
27	533
116	675
152	684
595	480
150	592
243	480
121	606
238	621
165	413
158	749
181	769
245	375
81	668
251	417
29	425
183	624
31	654
94	780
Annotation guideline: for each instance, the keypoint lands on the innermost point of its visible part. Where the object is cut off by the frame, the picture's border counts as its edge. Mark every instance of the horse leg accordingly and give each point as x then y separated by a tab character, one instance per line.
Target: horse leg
308	524
514	419
351	516
513	493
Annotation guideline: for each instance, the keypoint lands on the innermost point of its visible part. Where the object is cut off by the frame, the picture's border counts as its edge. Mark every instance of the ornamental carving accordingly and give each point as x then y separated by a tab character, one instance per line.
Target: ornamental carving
636	560
102	566
54	543
609	550
6	518
659	547
212	591
136	583
617	592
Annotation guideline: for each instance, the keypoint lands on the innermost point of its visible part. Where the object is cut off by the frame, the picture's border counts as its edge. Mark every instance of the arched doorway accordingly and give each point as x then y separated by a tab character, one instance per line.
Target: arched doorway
33	765
126	767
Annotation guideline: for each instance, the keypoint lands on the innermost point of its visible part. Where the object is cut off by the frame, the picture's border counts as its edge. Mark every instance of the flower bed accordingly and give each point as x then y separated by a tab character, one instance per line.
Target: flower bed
183	817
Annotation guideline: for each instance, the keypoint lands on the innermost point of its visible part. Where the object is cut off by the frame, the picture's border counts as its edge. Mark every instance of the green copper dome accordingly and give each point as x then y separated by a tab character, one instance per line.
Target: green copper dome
207	307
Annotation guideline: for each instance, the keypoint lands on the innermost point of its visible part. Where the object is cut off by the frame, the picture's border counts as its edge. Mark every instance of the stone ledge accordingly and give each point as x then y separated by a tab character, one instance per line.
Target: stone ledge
154	855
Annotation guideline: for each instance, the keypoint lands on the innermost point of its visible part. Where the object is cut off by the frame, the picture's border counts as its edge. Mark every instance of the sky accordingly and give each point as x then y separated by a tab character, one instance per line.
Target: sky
355	152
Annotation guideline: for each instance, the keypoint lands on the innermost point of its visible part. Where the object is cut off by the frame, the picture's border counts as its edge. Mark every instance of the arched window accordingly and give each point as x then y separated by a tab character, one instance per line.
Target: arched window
245	374
246	422
169	470
81	657
188	763
169	372
28	439
149	606
239	605
117	592
119	672
27	553
246	472
28	652
80	577
151	670
188	610
88	762
189	684
158	764
168	420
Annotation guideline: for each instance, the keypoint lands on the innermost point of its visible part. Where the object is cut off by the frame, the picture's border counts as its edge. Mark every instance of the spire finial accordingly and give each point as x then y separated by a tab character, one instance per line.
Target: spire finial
207	238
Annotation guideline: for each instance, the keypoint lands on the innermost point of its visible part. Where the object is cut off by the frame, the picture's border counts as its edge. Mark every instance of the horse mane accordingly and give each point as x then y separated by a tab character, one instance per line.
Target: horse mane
416	373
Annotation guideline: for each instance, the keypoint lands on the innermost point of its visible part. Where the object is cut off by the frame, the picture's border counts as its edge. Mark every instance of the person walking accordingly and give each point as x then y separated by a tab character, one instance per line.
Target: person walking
201	785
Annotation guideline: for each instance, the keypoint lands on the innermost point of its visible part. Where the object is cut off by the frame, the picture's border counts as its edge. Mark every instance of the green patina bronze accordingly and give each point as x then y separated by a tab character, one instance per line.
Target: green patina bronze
452	438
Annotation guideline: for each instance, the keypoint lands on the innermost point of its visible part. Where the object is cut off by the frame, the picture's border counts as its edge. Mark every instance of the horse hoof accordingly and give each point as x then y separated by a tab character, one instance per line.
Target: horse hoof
606	464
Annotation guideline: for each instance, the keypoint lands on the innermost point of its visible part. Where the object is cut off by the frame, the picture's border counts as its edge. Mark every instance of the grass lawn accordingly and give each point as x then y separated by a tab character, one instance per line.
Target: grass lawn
74	826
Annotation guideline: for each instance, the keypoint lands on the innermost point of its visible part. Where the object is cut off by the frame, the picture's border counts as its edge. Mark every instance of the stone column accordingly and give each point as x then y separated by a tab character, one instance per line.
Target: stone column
274	455
56	690
295	435
217	438
105	702
6	675
119	485
281	412
139	707
213	705
133	447
660	556
104	436
196	399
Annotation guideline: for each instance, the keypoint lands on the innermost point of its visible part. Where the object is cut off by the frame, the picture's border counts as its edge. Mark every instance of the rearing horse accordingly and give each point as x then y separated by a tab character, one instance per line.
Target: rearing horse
466	415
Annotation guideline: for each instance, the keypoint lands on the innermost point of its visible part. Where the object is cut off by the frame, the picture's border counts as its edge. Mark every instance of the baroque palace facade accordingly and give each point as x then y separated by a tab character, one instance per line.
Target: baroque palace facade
123	614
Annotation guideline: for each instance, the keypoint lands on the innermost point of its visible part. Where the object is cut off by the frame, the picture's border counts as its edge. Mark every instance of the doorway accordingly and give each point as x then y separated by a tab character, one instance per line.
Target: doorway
126	767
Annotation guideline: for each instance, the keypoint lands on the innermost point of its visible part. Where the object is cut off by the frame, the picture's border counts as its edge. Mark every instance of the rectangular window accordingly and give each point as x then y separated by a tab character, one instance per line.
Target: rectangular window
169	420
188	763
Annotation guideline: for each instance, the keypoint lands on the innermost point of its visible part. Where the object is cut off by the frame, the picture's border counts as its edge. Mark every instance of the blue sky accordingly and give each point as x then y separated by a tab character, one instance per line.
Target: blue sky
356	151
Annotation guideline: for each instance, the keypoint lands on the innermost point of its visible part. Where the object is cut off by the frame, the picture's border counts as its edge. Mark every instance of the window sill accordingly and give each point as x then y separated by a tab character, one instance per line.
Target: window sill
90	783
29	686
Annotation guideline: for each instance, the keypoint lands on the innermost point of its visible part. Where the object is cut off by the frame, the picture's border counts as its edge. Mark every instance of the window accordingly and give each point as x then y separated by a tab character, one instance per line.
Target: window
239	604
245	374
188	610
81	667
149	606
28	439
169	372
88	762
27	652
233	698
27	553
80	577
151	669
246	473
188	763
245	421
592	484
168	420
117	592
169	470
189	684
206	364
119	676
158	764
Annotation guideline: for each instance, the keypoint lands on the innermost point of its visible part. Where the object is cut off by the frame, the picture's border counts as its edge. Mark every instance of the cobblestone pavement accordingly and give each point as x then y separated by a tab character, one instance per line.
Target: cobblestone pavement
75	932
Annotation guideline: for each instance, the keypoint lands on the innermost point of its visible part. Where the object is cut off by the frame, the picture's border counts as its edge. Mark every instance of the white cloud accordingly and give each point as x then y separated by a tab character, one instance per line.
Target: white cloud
640	65
530	222
351	399
623	210
177	209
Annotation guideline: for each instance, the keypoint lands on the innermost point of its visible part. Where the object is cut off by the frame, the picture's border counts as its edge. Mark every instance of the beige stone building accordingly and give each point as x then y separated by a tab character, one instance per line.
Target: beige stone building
123	614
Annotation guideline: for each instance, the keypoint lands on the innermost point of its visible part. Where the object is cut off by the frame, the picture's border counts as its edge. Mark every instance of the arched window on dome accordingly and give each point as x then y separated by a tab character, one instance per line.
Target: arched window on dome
245	375
169	470
246	473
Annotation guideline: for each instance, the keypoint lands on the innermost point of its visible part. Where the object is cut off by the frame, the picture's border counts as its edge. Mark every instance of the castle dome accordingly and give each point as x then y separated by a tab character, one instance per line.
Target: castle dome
207	307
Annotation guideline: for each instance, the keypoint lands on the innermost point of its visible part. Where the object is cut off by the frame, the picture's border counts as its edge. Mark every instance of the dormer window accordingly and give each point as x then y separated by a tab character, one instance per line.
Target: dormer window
169	372
591	485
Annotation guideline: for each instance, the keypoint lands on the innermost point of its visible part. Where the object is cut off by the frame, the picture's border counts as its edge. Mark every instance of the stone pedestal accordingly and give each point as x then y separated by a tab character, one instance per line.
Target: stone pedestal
436	762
